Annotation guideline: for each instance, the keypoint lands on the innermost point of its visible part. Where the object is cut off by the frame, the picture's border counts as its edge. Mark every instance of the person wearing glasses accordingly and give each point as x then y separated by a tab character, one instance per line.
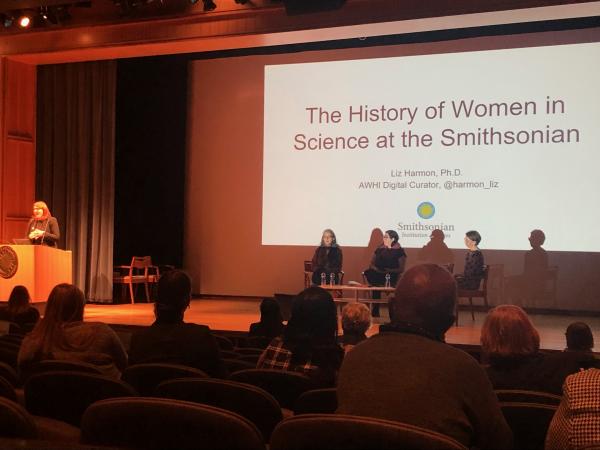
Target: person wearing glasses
387	263
42	228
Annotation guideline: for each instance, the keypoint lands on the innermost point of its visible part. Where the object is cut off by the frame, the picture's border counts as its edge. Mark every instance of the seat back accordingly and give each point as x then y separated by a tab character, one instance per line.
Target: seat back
343	432
145	377
52	365
235	364
223	342
529	422
65	395
15	422
251	402
285	386
155	423
7	390
139	265
9	374
317	401
522	396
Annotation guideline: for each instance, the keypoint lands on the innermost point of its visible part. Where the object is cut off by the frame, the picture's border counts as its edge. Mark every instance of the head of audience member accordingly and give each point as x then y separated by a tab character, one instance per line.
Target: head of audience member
472	239
40	210
356	319
19	299
328	238
579	337
65	305
425	297
537	238
390	238
174	295
270	312
508	335
312	324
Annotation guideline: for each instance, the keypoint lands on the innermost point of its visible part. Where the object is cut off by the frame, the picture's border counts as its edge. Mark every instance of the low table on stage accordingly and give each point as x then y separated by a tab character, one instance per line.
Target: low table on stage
355	291
37	267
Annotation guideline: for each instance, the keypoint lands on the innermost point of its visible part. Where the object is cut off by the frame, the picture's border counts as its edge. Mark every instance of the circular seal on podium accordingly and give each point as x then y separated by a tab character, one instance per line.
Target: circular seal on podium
9	262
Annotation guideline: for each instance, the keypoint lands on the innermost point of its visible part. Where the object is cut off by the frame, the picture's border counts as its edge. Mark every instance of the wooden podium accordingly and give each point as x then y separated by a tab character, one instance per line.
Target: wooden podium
39	268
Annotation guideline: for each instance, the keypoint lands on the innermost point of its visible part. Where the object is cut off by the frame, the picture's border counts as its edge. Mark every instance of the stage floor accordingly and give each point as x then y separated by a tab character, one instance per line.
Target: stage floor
236	314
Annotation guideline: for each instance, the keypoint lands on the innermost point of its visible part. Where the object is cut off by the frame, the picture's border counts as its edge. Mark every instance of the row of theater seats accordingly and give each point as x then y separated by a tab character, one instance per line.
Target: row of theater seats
71	402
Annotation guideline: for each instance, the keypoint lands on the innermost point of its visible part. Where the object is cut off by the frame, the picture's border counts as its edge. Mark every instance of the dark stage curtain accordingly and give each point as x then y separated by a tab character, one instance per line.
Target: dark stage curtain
75	165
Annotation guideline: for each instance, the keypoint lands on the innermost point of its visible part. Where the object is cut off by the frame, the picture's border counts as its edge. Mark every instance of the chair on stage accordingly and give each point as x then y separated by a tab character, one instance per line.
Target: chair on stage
491	272
140	271
308	273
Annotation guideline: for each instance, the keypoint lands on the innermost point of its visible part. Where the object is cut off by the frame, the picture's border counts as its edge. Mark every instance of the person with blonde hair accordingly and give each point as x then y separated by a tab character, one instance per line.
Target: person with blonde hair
62	334
42	228
356	320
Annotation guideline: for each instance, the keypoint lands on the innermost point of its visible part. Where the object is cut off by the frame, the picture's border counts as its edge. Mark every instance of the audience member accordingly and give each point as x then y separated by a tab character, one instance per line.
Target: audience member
356	320
579	337
410	375
171	340
62	334
576	423
308	344
510	346
19	309
271	321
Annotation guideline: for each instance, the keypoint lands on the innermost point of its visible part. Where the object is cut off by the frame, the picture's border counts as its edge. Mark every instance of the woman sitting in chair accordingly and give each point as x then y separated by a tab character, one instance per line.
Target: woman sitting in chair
309	342
474	263
62	334
327	259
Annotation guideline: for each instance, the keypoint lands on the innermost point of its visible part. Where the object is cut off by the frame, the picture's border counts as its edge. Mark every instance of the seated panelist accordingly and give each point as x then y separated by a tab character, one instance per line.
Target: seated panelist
327	259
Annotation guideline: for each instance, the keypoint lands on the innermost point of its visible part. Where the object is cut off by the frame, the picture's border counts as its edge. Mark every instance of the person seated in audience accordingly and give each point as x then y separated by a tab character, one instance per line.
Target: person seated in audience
309	341
19	309
579	337
271	322
408	374
171	340
474	263
576	423
356	320
510	347
327	259
62	334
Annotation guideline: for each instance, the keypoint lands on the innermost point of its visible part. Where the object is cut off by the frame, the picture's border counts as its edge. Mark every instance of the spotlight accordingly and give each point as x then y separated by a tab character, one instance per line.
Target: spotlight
24	21
193	2
209	5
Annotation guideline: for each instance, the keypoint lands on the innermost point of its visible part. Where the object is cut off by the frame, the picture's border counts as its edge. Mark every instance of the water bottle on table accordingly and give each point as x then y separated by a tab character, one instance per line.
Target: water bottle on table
387	280
323	279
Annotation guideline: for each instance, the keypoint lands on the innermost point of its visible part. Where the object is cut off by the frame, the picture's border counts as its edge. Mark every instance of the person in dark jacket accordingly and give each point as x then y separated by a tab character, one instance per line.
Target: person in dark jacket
327	259
171	340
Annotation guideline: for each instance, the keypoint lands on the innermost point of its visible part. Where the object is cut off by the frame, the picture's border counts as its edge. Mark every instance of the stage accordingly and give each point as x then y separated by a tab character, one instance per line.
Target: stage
236	314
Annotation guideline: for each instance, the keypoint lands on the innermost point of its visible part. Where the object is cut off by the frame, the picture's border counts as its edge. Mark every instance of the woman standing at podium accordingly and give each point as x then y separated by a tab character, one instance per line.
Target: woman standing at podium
43	228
